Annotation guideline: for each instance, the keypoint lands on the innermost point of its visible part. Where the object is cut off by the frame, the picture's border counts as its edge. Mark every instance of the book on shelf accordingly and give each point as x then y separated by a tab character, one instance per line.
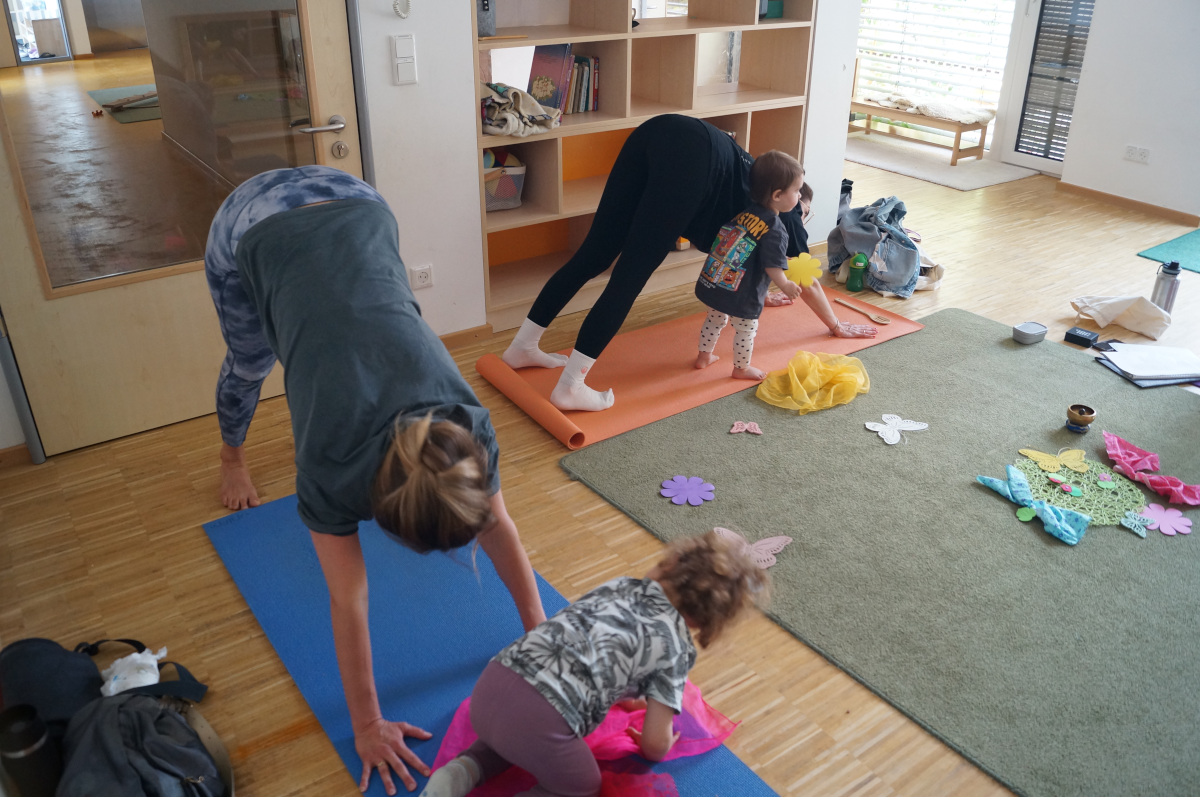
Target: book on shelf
583	93
550	75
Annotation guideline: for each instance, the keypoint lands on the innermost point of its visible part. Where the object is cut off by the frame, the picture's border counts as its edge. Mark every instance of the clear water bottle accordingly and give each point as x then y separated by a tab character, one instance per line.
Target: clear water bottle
1166	286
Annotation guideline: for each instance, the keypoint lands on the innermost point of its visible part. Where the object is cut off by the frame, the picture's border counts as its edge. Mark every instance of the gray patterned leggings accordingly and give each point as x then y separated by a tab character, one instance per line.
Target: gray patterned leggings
743	340
248	358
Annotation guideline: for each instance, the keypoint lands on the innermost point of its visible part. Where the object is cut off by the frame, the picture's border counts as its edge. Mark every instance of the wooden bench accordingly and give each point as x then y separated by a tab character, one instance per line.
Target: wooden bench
957	151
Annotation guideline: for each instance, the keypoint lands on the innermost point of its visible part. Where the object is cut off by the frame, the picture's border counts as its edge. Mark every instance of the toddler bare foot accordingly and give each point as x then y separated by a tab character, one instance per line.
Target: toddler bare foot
703	359
749	374
237	490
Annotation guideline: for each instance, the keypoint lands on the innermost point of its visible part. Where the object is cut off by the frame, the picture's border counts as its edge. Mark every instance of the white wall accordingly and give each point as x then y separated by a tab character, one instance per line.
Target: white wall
77	30
1139	87
835	34
425	152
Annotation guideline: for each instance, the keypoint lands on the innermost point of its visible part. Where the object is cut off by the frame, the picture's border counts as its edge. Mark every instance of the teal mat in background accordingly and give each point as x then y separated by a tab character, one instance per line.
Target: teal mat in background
435	624
136	112
1185	250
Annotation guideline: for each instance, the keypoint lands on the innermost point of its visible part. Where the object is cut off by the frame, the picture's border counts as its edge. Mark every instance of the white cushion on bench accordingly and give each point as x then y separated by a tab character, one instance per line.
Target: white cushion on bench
939	107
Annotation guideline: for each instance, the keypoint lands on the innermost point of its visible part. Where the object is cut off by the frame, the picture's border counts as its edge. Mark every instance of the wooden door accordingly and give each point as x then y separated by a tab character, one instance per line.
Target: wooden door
108	358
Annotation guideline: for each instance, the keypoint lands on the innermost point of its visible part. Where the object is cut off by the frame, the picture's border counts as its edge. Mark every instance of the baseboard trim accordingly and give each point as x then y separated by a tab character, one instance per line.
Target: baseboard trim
818	249
1171	214
467	336
80	56
17	456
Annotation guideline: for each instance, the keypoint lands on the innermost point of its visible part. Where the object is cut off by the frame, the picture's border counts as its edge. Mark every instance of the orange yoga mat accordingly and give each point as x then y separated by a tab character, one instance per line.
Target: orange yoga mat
650	370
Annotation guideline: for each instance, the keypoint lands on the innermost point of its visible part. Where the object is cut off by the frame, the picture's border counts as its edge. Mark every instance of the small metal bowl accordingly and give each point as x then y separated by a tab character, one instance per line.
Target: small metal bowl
1029	332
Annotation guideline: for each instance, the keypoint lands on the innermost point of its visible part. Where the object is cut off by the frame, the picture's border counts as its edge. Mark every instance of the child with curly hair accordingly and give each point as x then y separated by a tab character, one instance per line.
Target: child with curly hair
629	639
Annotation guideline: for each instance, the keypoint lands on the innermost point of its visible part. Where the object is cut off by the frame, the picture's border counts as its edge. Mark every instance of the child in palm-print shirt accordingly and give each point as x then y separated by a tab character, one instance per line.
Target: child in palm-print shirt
629	639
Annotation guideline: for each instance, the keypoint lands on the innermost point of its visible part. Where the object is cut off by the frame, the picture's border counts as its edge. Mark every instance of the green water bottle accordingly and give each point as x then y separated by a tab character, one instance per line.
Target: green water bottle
858	265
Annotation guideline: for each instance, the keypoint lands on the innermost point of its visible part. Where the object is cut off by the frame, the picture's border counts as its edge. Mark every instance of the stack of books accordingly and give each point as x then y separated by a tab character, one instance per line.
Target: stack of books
557	79
585	85
1148	365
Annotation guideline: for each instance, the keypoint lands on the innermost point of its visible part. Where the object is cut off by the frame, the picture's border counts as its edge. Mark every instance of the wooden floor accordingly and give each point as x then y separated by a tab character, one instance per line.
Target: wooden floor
107	542
107	198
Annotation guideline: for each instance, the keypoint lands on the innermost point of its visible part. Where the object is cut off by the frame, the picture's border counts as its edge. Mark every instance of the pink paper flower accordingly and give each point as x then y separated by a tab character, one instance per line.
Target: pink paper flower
692	491
1168	521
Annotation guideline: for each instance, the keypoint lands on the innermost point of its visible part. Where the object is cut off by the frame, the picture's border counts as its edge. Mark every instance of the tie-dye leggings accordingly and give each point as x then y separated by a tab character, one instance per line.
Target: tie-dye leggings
249	358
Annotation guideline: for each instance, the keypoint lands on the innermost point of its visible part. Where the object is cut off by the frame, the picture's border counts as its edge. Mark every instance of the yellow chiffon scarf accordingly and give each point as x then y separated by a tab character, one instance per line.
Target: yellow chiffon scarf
815	381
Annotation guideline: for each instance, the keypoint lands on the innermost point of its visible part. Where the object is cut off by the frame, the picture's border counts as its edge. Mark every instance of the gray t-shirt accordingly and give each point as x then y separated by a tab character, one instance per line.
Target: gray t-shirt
337	309
734	280
623	639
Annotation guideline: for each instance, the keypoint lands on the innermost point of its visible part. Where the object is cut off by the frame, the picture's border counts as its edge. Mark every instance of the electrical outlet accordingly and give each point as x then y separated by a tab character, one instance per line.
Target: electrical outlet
1138	155
420	277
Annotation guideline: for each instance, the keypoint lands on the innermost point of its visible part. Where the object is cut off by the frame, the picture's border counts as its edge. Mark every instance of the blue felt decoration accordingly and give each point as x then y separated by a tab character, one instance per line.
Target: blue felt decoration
1062	523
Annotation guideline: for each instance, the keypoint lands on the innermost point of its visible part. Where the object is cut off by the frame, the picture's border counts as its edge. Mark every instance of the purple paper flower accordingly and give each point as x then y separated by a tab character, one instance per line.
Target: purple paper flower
692	491
1168	521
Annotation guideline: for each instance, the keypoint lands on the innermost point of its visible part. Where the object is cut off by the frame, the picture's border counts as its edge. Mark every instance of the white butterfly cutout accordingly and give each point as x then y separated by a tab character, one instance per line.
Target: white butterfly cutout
1136	522
892	425
763	551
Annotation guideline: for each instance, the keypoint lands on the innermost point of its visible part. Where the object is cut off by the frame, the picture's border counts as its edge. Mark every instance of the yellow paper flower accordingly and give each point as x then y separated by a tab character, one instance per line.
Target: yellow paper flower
803	269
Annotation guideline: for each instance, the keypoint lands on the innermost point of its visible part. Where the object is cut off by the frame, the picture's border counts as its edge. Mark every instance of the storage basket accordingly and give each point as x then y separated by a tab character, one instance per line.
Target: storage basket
502	187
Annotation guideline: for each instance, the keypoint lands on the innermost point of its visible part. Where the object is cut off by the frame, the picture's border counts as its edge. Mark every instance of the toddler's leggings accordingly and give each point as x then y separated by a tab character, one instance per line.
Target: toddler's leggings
660	181
743	340
248	358
517	725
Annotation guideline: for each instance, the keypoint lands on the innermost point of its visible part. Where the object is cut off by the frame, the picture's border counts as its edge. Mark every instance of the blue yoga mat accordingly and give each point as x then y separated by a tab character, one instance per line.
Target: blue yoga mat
1185	250
434	626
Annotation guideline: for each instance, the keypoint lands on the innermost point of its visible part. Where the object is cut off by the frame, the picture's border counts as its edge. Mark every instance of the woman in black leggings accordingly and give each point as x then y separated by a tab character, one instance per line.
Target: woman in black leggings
675	176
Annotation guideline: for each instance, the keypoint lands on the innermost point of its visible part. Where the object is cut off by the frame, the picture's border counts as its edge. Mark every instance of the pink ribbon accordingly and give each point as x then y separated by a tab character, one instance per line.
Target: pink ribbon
1130	460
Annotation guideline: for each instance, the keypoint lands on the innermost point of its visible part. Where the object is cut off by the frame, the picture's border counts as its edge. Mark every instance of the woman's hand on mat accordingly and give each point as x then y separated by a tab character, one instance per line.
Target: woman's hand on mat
381	746
847	330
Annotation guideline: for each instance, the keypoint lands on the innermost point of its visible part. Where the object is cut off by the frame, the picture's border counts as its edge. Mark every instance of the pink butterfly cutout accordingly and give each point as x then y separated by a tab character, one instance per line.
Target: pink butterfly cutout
748	427
763	551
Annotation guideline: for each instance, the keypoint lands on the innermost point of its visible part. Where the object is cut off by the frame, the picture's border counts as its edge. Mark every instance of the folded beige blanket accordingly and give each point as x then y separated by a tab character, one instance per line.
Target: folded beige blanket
940	107
509	111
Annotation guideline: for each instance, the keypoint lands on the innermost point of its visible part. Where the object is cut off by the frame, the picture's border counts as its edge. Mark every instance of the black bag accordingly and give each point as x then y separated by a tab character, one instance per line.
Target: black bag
485	15
145	741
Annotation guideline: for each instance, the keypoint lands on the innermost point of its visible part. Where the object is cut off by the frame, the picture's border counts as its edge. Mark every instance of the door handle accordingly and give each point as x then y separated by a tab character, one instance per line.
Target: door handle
336	123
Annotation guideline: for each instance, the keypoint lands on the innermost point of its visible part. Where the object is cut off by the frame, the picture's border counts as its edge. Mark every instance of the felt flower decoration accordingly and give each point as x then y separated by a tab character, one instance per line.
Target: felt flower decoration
892	425
763	551
692	491
803	269
746	427
1167	521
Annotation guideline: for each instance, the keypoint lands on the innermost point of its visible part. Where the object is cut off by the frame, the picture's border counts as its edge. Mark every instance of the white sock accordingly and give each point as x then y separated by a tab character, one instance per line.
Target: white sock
572	394
454	779
524	350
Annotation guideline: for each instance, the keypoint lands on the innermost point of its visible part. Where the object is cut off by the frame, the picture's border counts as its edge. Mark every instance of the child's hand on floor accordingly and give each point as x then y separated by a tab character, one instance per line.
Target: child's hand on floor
636	735
777	299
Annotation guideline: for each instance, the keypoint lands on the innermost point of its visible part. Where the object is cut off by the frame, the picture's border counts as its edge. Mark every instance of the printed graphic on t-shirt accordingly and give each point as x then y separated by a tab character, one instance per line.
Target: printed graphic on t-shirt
731	251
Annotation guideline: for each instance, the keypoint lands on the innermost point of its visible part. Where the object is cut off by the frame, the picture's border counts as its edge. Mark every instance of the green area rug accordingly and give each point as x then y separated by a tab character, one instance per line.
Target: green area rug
136	112
1185	250
1059	670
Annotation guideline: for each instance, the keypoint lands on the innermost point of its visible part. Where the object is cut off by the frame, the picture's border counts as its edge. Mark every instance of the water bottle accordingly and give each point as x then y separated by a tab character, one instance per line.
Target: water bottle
30	757
854	279
1166	286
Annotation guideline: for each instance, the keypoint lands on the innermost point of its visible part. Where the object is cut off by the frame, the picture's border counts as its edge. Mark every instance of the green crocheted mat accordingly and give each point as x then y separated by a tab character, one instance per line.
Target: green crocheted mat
1104	504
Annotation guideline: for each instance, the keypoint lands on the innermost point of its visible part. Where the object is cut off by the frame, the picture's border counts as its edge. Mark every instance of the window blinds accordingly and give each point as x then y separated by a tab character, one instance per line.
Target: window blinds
930	48
1053	77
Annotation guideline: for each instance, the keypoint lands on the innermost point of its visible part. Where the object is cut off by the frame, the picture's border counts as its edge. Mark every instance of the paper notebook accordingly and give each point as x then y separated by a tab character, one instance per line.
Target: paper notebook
1151	362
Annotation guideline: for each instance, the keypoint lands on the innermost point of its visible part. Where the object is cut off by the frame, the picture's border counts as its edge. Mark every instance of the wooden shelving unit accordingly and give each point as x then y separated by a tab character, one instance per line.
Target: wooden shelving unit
644	71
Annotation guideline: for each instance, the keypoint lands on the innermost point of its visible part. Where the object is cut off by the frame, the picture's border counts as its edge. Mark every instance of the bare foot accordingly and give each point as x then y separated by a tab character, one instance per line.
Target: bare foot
749	374
703	359
237	490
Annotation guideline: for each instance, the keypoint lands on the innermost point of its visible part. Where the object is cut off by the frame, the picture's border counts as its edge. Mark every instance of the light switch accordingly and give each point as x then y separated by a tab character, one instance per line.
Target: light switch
404	46
405	72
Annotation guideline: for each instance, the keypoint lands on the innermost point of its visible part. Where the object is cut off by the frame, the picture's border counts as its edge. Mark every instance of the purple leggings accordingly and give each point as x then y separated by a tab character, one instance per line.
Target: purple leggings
516	725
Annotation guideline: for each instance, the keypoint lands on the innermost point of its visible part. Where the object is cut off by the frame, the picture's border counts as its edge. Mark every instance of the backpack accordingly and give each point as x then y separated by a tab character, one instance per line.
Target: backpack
145	741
